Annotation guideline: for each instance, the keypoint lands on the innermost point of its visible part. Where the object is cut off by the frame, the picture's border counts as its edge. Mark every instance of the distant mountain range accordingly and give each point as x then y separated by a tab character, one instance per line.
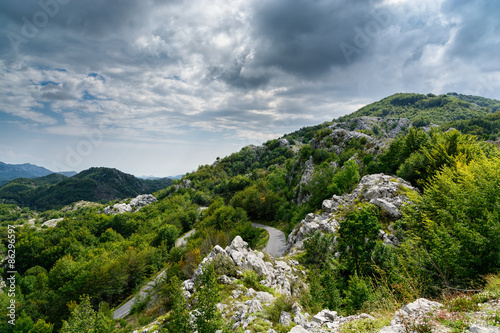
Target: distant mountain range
54	191
9	172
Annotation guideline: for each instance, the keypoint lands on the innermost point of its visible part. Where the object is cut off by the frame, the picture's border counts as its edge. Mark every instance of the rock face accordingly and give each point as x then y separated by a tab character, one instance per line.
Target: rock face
386	192
389	127
134	205
51	223
277	274
284	276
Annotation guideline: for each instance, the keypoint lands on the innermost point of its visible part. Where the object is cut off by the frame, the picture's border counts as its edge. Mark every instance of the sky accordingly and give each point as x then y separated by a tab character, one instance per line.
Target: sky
159	87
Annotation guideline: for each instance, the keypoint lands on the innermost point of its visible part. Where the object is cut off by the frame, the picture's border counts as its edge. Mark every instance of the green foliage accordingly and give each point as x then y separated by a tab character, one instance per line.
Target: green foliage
318	248
281	303
166	237
364	326
221	217
94	184
207	317
83	318
455	221
223	265
179	317
358	234
346	179
359	291
435	109
41	327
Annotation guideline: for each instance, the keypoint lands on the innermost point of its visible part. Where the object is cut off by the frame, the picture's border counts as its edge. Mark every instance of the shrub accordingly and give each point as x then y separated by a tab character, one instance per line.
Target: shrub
318	248
223	265
280	304
359	291
364	326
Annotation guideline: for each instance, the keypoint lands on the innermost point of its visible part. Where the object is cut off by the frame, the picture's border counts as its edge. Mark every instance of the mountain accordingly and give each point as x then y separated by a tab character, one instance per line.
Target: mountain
379	210
425	109
94	184
26	170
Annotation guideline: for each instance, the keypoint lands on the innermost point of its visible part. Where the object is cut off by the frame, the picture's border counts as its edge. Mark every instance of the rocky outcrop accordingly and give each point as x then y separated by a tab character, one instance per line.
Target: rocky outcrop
283	276
387	127
280	275
52	223
386	192
411	314
302	195
134	205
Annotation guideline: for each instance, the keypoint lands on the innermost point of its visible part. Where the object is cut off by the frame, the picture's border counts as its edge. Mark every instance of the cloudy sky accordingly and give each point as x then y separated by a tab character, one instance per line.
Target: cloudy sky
158	87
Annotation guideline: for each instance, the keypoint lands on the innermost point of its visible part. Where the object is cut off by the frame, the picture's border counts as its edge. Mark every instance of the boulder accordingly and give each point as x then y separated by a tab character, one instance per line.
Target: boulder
298	329
285	318
480	329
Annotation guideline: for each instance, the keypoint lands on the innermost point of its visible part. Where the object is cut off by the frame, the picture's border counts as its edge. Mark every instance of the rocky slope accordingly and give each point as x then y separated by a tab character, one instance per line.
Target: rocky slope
387	192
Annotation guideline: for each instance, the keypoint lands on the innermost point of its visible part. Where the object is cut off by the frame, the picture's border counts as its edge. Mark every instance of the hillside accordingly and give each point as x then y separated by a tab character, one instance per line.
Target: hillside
94	184
425	109
378	213
18	189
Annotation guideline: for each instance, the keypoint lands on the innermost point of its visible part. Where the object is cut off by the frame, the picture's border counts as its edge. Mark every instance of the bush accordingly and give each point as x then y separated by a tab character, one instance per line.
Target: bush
318	248
280	304
359	291
223	265
364	326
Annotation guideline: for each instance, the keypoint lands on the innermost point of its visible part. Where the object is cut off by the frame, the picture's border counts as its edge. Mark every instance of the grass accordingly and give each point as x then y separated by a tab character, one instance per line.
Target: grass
262	242
365	325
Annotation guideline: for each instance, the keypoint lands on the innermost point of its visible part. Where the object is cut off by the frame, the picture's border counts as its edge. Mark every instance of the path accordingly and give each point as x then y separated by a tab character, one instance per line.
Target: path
275	247
124	309
277	240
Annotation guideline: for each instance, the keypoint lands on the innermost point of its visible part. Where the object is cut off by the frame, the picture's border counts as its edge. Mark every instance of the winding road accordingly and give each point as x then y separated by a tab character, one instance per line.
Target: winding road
124	309
275	247
277	240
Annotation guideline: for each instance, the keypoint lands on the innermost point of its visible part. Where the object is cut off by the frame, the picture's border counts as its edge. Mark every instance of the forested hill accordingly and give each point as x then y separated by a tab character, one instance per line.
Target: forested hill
429	108
94	184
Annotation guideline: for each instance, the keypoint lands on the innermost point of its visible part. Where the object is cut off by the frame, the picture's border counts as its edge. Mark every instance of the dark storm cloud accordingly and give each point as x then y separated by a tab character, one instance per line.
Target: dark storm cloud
303	37
477	36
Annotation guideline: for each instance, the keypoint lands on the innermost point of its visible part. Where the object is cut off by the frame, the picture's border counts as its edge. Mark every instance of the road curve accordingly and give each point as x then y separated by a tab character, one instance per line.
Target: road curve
277	240
275	247
124	310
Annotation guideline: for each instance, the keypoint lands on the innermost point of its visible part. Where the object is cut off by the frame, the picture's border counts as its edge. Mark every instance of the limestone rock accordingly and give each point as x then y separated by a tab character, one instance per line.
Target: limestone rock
134	205
298	329
480	329
285	318
52	223
384	191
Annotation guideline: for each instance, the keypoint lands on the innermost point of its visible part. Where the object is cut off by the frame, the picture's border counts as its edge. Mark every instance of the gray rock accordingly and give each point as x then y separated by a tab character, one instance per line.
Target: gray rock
264	297
285	318
474	328
52	223
392	329
298	329
254	306
188	285
390	208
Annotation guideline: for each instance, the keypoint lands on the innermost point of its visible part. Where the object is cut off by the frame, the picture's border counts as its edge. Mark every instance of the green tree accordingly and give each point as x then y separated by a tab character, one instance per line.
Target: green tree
207	317
358	235
166	237
42	327
84	318
455	221
179	317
